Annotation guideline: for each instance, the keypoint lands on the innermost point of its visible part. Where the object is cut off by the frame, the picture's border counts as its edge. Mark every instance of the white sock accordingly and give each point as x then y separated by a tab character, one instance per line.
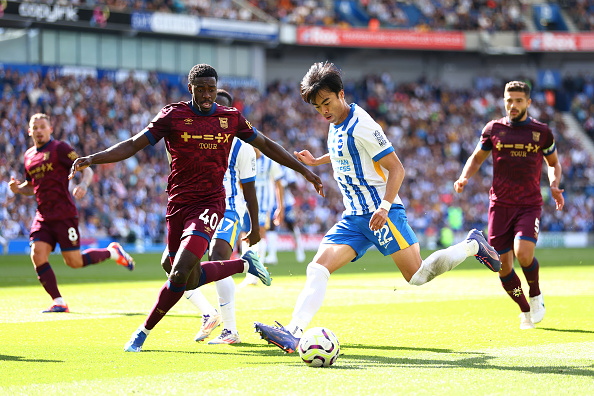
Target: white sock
272	238
261	248
310	299
442	261
298	242
144	329
59	301
113	254
199	301
226	291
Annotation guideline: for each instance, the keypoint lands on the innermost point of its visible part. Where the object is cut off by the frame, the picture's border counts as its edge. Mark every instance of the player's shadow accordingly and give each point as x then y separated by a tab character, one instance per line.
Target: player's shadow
11	358
480	360
567	330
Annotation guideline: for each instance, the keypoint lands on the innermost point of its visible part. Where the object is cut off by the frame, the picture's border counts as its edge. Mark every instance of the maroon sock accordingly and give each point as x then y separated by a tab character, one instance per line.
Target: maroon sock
168	297
217	270
531	274
47	278
512	285
94	256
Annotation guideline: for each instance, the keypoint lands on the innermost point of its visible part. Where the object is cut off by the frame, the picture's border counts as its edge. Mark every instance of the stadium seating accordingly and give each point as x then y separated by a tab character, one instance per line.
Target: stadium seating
433	128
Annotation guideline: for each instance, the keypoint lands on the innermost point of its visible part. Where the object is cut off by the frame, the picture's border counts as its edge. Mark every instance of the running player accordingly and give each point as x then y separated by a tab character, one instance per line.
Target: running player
240	192
47	164
518	144
198	135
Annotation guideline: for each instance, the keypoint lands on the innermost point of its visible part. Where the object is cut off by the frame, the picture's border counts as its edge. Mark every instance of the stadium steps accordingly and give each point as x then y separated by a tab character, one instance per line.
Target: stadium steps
256	11
575	131
568	21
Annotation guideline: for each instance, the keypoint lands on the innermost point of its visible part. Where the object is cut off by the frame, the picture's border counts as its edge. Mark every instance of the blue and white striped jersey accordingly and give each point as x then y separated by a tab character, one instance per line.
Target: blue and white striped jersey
268	172
242	169
355	146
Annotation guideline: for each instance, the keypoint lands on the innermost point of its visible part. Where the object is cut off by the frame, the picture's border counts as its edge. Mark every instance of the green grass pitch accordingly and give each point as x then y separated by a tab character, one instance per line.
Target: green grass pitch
457	335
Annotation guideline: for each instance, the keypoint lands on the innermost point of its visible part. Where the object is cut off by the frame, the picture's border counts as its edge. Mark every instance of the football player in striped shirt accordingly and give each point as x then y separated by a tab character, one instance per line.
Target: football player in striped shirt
369	175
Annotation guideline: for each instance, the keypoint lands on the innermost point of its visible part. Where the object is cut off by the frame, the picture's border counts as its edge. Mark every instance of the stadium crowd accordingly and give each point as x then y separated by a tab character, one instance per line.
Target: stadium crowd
489	15
432	127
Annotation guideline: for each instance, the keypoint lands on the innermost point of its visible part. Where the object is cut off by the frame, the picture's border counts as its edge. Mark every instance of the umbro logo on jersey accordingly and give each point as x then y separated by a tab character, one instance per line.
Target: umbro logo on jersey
188	121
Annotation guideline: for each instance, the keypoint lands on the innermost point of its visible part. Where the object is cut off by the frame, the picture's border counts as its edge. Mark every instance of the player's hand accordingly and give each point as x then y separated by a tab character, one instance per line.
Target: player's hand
78	165
251	238
378	219
278	216
14	185
305	157
79	191
459	184
557	194
316	181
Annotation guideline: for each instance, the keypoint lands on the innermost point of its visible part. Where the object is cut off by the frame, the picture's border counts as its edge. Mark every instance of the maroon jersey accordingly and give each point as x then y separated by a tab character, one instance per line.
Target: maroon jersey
198	146
47	170
518	151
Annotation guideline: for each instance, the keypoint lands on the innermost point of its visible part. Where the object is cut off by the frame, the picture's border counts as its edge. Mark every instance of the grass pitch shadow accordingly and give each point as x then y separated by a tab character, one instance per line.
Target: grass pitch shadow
10	358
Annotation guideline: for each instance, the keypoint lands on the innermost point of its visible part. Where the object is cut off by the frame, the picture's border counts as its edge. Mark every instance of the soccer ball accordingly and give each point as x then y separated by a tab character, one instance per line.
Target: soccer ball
319	347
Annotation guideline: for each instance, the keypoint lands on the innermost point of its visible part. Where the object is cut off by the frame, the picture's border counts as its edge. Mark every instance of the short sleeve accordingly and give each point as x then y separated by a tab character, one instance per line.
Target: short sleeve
549	146
374	141
276	172
66	154
246	163
486	142
245	130
160	126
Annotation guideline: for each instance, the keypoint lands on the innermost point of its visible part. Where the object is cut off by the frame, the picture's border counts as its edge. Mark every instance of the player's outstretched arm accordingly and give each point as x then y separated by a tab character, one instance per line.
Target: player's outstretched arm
277	153
472	166
308	159
115	153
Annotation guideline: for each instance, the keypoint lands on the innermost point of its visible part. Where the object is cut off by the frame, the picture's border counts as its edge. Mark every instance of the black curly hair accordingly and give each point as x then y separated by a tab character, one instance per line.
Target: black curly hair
202	70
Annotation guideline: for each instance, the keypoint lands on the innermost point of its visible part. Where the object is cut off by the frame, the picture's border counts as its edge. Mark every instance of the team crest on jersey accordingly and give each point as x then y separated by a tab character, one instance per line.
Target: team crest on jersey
188	121
380	138
46	156
535	136
224	122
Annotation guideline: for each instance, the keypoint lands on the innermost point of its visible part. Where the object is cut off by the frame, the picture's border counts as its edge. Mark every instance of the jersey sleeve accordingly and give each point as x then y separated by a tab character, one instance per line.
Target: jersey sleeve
276	172
549	144
374	141
245	130
486	142
160	126
66	154
246	163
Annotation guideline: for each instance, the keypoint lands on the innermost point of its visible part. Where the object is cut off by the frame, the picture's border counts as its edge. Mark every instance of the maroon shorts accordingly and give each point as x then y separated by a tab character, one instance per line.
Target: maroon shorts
201	219
507	223
63	232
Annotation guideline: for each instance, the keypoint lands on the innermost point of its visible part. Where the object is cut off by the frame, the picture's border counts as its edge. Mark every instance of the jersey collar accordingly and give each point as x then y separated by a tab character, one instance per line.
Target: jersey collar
44	146
195	110
527	121
346	120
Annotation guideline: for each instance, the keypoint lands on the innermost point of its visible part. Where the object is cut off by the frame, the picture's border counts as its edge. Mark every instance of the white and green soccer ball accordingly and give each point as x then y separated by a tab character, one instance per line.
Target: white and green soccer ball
319	347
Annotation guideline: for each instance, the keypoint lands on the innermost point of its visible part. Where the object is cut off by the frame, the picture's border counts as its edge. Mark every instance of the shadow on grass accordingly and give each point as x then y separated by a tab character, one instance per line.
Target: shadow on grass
477	360
21	359
567	330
